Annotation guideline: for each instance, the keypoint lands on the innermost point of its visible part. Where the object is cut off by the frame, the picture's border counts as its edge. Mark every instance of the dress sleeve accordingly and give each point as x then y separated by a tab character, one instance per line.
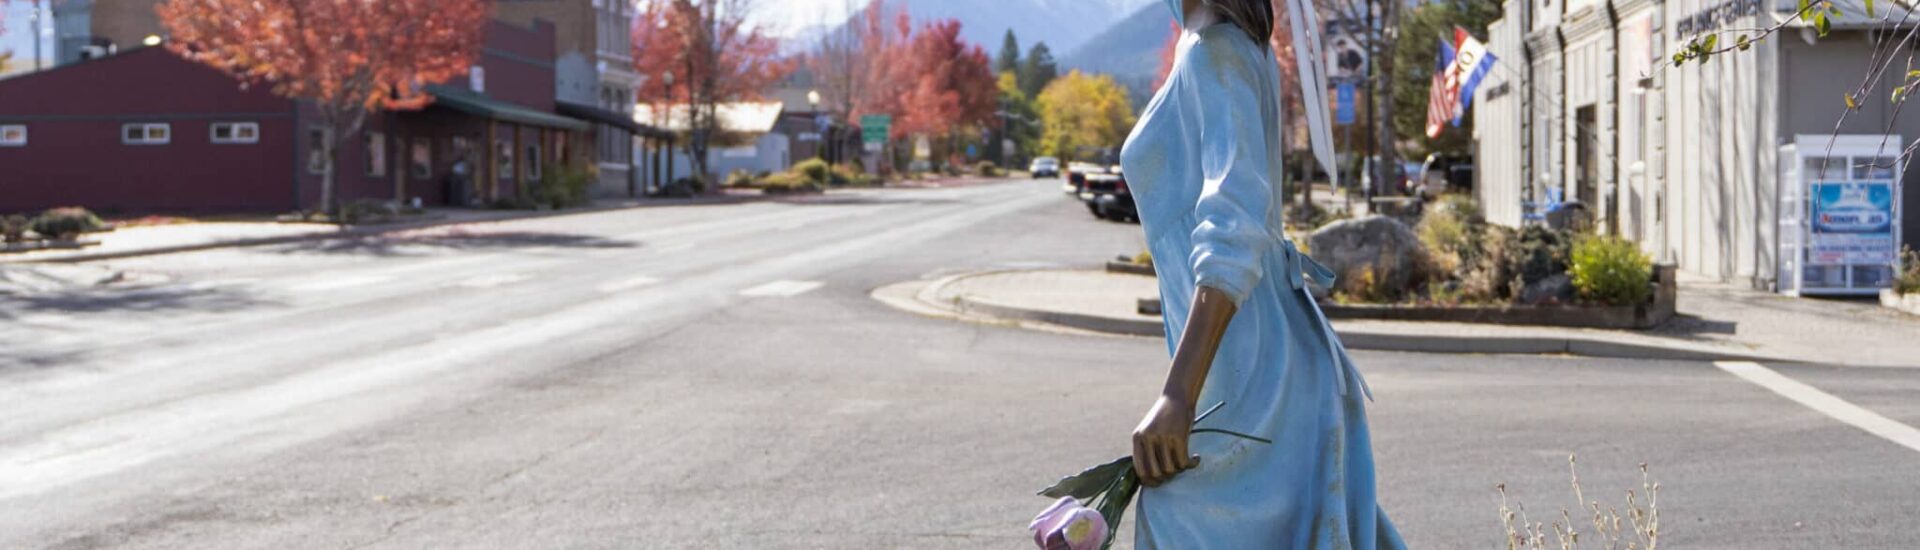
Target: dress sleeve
1237	188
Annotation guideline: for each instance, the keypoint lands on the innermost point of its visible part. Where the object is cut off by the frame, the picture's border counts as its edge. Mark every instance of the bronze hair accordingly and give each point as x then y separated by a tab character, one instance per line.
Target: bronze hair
1253	16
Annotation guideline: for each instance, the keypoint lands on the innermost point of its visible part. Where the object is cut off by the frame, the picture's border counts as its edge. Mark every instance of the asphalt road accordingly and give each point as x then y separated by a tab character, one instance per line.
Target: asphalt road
717	377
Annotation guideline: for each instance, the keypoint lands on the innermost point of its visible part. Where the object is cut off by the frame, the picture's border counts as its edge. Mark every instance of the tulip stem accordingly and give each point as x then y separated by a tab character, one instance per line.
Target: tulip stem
1233	433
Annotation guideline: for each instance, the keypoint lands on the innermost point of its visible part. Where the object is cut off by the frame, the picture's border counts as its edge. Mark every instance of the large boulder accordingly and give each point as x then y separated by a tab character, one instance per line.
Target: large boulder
1375	256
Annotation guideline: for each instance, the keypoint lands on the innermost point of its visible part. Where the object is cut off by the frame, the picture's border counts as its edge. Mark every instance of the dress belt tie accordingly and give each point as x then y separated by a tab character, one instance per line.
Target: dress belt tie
1301	268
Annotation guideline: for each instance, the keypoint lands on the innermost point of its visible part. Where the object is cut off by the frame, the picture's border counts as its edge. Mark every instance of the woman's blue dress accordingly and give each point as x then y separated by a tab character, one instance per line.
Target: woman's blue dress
1203	164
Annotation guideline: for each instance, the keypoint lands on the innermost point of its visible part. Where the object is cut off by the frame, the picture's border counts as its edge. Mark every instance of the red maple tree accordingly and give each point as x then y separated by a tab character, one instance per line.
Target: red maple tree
697	55
856	65
348	57
952	83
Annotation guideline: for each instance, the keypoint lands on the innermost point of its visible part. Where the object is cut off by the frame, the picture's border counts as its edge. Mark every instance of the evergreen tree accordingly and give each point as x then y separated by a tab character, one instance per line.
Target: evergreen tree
1039	70
1009	55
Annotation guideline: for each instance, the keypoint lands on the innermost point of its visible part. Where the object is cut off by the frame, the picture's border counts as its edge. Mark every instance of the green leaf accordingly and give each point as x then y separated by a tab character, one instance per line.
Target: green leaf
1869	4
1743	43
1091	482
1679	58
1804	6
1707	42
1821	24
1913	73
1851	103
1114	507
1897	90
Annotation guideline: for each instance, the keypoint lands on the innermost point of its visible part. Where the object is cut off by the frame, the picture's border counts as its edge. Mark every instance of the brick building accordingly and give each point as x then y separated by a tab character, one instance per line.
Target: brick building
144	130
594	79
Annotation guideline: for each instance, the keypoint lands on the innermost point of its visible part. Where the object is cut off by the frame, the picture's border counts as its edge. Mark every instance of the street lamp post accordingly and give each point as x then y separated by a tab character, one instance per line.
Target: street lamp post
813	106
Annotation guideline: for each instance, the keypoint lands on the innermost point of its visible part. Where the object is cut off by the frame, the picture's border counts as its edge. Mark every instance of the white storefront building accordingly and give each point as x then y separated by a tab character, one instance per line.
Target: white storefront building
1703	164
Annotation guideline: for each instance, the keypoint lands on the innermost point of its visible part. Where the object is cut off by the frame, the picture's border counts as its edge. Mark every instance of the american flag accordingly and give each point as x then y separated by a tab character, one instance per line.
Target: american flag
1444	100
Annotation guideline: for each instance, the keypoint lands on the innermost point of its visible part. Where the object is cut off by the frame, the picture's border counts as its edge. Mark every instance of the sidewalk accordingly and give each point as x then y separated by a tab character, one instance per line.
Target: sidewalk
1716	322
186	237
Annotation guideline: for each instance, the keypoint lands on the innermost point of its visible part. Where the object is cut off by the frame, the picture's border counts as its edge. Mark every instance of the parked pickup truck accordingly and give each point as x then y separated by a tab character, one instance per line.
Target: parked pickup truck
1104	190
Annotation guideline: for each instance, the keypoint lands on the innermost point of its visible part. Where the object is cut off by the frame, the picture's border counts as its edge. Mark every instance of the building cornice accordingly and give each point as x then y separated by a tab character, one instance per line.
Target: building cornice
1589	21
1545	41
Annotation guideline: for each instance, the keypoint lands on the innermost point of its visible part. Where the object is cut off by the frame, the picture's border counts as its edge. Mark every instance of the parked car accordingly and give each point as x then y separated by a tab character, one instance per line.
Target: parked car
1107	195
1072	180
1044	167
1442	174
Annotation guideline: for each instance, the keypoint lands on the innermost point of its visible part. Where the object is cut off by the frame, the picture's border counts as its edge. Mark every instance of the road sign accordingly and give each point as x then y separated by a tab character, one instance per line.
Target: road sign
1343	104
875	128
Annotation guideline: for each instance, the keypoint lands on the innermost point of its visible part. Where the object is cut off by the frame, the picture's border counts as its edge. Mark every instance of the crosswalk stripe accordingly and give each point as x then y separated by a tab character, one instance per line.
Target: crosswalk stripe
781	289
491	281
339	283
1825	403
624	285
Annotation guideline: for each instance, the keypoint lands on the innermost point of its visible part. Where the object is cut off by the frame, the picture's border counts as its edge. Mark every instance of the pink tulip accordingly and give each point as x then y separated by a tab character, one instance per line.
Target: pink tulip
1066	525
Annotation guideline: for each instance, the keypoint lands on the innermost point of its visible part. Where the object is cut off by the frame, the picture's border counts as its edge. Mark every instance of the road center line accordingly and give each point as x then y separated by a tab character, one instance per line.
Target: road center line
781	289
1825	403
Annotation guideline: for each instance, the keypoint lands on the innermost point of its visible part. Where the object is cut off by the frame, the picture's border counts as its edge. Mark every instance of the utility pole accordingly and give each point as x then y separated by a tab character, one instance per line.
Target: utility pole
38	35
1366	157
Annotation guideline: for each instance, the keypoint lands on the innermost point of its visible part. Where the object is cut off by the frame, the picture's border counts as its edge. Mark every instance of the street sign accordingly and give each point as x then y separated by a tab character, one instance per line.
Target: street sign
875	128
1343	104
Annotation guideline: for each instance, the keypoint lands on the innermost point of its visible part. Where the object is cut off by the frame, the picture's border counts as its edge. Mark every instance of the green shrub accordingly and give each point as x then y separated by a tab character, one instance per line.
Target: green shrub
1451	235
987	169
786	183
815	169
1611	270
13	229
1909	280
563	189
740	179
66	223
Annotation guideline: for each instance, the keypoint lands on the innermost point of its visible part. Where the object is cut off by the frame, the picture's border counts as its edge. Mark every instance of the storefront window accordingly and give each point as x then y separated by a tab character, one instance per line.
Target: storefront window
504	152
376	151
1825	168
422	158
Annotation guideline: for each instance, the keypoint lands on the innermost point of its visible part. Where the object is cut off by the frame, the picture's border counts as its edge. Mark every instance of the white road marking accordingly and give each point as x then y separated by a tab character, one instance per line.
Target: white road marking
1825	403
781	289
339	283
498	280
211	285
628	284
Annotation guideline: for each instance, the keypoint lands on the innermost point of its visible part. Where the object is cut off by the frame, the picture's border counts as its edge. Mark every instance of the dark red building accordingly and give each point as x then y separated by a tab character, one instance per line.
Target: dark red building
148	131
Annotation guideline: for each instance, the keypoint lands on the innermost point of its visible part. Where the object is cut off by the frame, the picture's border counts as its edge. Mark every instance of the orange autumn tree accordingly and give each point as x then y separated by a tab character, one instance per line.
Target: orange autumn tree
700	54
349	58
950	86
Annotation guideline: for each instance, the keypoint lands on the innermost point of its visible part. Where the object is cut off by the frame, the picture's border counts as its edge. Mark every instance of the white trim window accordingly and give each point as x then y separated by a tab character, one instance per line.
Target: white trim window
533	162
318	161
148	133
234	133
376	154
13	135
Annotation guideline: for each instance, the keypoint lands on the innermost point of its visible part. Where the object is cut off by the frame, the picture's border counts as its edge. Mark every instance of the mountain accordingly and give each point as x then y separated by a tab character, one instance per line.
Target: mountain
1129	50
1063	24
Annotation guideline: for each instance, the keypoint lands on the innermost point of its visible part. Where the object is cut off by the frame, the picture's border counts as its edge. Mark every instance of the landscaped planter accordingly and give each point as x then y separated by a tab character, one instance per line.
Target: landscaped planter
1909	303
1642	316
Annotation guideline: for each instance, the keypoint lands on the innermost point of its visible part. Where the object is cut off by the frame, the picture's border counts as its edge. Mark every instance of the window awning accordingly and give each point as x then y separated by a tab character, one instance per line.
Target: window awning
469	102
608	117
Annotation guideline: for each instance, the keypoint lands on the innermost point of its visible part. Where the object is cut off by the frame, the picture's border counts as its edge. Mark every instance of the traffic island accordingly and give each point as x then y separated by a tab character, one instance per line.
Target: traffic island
1095	301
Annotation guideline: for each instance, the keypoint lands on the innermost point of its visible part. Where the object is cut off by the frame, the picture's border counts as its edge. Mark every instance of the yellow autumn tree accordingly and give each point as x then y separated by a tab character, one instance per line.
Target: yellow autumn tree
1083	114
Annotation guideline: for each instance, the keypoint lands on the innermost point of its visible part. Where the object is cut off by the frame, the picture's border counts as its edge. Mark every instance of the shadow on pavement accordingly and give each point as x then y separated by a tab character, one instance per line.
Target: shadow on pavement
425	242
136	299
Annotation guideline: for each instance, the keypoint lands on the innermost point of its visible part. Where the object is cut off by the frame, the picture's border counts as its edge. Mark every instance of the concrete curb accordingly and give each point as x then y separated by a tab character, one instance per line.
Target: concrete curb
362	231
924	295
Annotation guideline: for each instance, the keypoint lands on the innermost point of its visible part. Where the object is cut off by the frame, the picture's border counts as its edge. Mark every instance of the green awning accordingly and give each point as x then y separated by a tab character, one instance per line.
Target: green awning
460	99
